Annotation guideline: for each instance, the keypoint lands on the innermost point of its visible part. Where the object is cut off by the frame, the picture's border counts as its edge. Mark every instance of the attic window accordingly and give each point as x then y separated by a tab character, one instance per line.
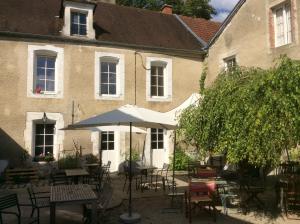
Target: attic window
78	23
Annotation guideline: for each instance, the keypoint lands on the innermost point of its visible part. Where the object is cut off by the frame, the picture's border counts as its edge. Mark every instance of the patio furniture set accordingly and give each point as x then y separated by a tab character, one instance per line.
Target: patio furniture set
62	191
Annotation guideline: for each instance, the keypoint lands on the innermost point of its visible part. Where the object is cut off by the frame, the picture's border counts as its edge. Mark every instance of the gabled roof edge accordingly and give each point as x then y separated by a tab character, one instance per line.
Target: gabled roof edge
199	39
226	21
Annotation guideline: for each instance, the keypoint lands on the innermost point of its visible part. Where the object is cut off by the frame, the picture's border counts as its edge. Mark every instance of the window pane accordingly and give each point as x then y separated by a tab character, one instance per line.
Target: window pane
153	91
104	67
153	145
82	29
160	91
153	137
48	149
51	74
40	61
153	70
40	84
39	140
111	136
38	151
104	89
112	67
74	17
82	18
50	62
49	129
112	89
160	71
111	146
50	86
112	78
40	72
48	139
74	29
160	81
104	78
103	146
39	129
153	80
104	136
160	137
160	145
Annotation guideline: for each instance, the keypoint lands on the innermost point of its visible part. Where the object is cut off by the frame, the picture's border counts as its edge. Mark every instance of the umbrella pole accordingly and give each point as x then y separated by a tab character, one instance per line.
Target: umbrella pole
173	177
130	172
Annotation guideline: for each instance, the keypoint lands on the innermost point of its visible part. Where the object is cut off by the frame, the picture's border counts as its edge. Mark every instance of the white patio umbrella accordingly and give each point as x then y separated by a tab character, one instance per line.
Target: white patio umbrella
129	115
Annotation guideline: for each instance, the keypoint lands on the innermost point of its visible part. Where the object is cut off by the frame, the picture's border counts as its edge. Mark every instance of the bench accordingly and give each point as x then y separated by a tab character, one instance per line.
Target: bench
21	175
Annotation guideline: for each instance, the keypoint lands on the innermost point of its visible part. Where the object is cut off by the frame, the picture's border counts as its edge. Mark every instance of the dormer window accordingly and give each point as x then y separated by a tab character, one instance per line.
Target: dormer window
78	23
78	20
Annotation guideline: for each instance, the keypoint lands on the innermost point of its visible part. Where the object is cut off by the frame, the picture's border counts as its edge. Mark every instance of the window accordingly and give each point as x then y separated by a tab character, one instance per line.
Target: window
282	25
230	63
45	74
159	79
45	71
157	138
78	19
78	23
109	76
44	139
107	140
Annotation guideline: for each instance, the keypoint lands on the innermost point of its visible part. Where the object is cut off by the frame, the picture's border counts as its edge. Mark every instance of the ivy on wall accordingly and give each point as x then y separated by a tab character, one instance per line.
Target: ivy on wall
251	114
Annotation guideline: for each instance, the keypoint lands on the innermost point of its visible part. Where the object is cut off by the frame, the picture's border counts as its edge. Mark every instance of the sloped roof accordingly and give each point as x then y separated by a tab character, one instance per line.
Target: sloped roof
205	29
112	23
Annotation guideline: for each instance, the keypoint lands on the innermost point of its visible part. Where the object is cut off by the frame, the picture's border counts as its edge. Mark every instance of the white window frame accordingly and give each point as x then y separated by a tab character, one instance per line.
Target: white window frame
81	8
287	39
163	140
78	24
120	75
34	50
227	60
167	64
31	118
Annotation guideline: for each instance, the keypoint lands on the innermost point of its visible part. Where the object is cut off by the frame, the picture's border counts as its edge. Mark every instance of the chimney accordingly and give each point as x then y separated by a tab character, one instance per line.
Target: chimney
167	9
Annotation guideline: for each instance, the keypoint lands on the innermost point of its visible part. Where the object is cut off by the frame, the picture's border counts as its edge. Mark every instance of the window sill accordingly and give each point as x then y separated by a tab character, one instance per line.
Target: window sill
44	95
109	97
159	99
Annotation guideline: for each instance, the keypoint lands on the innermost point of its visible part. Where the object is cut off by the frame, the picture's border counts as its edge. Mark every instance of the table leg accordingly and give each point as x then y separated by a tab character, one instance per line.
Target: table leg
94	212
52	213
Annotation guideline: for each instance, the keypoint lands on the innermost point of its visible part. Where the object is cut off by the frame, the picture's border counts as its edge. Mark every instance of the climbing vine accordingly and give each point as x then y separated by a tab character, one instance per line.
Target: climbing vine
251	114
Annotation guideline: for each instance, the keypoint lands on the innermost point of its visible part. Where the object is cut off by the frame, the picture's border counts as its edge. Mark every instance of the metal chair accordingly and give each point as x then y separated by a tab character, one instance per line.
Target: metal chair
104	198
200	194
39	200
163	174
10	201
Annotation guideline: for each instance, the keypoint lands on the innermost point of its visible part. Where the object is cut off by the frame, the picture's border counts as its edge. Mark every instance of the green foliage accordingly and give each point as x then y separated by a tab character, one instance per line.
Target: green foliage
181	159
202	79
194	8
295	154
90	158
49	157
69	162
134	155
249	113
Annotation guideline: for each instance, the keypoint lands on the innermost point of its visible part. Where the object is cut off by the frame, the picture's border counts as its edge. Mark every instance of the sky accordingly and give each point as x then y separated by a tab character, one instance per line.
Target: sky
223	8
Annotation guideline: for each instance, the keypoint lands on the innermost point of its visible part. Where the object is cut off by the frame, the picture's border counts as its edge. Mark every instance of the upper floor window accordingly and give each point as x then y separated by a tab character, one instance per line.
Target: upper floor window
78	19
230	63
78	23
44	78
159	79
109	76
45	71
157	138
282	25
107	140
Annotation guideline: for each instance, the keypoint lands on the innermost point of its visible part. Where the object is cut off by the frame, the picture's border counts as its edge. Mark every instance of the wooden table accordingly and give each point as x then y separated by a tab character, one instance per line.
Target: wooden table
81	193
76	173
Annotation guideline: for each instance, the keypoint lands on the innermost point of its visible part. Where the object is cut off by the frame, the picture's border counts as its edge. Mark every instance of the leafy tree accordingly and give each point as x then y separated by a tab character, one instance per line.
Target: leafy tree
195	8
251	114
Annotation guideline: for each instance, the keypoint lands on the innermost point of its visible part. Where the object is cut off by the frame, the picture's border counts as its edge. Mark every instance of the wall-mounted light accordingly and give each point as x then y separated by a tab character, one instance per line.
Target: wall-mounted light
45	118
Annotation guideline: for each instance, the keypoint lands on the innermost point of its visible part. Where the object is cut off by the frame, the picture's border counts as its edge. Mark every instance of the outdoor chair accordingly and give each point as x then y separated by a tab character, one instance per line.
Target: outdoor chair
106	169
38	200
96	178
162	174
200	194
59	177
9	205
104	198
205	173
135	176
292	195
227	193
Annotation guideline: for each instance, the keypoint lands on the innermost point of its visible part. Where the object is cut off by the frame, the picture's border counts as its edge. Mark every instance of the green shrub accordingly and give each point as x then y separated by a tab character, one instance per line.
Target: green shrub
181	159
69	162
90	158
